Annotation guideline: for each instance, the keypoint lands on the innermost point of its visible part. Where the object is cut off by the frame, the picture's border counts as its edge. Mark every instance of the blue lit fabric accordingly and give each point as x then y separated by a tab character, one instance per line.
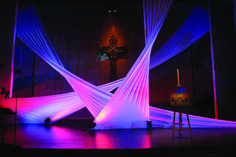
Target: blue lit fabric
196	25
30	30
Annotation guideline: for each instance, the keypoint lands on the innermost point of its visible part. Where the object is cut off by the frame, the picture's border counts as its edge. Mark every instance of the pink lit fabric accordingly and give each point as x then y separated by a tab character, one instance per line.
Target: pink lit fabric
59	106
36	110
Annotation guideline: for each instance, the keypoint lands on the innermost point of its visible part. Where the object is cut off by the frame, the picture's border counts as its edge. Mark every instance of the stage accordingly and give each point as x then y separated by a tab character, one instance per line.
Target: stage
72	136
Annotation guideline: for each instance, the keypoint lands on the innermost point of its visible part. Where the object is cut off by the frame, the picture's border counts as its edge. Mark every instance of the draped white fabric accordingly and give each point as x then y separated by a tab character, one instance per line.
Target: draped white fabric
30	30
129	106
93	97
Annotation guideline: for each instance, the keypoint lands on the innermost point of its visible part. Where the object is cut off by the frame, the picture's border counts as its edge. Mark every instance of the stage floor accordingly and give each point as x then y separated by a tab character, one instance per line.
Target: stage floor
71	135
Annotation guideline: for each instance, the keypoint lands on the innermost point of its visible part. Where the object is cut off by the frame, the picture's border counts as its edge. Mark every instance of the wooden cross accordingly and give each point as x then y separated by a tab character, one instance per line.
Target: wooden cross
114	53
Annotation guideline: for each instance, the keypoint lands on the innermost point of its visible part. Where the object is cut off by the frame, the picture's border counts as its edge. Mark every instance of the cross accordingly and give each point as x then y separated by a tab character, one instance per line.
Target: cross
113	53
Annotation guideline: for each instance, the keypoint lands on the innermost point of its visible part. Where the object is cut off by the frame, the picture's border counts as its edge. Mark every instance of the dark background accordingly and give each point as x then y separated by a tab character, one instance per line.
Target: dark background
78	28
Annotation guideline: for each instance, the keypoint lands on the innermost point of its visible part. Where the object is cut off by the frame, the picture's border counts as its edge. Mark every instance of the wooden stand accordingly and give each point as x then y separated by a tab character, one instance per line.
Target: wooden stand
180	100
181	122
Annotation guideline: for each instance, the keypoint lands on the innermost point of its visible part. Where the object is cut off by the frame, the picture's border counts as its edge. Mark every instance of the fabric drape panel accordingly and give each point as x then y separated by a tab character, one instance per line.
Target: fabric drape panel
30	30
37	109
196	25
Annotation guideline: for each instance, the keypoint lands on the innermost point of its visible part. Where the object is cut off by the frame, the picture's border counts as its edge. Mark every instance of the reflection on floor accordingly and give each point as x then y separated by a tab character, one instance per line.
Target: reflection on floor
72	136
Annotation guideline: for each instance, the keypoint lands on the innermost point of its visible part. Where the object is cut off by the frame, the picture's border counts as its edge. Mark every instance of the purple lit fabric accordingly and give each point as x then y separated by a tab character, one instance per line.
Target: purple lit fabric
132	95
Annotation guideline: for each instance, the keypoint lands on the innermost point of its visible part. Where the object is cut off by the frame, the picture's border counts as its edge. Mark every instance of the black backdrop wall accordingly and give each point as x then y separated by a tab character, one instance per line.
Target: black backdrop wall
78	29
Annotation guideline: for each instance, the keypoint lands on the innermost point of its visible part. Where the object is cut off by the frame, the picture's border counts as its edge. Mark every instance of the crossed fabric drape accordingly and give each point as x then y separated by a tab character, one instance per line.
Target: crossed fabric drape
94	97
30	30
129	106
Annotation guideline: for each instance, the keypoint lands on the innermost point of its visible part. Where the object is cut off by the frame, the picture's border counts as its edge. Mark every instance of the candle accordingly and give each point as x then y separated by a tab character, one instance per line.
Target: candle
178	78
